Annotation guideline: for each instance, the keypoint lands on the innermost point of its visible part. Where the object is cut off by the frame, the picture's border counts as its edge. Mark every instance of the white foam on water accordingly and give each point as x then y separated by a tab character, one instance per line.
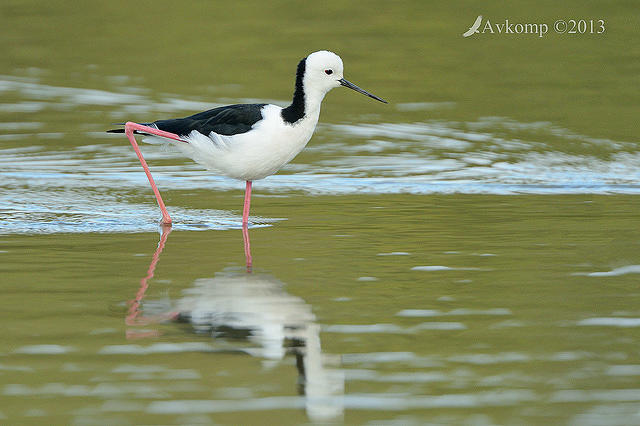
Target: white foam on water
611	322
430	268
44	349
485	359
378	357
624	370
162	348
461	311
611	395
380	402
623	270
363	328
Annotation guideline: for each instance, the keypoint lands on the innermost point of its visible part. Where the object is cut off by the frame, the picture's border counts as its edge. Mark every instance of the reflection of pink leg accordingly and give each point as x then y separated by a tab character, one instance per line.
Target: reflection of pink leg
245	225
247	204
247	246
129	127
134	308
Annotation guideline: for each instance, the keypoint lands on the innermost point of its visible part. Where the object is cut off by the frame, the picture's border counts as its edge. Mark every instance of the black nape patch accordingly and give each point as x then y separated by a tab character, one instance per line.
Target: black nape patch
295	111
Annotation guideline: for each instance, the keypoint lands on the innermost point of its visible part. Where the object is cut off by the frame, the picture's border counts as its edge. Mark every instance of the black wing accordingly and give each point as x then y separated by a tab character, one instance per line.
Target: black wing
227	120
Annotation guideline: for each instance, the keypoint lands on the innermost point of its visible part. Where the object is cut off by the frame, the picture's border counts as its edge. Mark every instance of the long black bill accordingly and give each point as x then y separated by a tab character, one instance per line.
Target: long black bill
350	85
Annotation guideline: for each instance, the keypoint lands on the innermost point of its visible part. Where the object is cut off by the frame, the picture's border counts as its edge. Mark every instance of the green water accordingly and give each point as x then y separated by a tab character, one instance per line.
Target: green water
467	254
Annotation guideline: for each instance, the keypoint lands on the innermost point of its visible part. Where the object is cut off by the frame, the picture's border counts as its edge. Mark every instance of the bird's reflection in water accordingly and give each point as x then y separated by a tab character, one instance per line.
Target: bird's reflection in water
240	306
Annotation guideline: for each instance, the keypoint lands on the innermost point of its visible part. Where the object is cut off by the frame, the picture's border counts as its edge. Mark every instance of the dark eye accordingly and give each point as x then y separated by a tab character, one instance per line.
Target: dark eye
328	72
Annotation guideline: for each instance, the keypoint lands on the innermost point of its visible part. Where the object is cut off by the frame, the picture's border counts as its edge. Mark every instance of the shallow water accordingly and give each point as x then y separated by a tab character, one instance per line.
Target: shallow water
517	312
467	254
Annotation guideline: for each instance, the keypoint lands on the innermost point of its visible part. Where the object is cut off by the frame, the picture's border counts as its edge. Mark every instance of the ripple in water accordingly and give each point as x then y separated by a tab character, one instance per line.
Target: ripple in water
82	188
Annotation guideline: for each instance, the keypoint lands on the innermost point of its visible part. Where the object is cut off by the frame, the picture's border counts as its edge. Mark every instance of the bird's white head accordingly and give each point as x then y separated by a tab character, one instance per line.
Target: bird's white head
324	71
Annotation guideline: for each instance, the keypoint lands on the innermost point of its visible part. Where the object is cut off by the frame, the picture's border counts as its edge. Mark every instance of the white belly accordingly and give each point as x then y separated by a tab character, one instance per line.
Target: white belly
253	155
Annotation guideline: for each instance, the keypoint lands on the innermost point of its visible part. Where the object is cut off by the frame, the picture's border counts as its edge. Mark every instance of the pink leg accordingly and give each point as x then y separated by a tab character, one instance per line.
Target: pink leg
247	204
129	127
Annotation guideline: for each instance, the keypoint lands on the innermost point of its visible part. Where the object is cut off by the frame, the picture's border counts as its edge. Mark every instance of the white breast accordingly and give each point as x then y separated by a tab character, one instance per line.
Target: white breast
253	155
